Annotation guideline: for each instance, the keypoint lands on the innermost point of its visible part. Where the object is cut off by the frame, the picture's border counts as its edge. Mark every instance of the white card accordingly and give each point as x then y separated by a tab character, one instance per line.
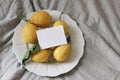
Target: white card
51	37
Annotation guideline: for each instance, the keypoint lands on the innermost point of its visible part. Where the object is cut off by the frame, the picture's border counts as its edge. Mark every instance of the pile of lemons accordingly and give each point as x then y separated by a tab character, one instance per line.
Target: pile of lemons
42	19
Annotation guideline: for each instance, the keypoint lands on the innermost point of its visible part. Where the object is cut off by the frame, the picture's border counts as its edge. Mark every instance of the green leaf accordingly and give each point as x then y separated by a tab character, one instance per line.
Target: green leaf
27	55
36	48
68	39
30	51
23	16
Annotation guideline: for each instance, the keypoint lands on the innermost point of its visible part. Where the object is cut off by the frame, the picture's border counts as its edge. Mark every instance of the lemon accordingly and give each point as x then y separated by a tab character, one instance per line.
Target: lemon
41	19
41	56
29	33
52	48
62	52
63	23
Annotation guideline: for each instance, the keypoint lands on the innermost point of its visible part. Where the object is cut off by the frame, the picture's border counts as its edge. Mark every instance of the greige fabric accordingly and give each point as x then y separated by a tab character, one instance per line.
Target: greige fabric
99	21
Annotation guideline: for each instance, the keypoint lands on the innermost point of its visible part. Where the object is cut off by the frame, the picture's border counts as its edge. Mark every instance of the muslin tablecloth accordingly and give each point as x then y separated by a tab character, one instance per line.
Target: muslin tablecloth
99	20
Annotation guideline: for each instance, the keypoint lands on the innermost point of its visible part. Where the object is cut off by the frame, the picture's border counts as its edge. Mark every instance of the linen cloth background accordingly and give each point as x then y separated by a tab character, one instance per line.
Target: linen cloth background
99	20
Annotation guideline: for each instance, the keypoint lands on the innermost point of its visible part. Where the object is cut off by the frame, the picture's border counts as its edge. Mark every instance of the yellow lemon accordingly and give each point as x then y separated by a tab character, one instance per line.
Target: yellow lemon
63	23
41	19
52	48
41	56
29	33
62	52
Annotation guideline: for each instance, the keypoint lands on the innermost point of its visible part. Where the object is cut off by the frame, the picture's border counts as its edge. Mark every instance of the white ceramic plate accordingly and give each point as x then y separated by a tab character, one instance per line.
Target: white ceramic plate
51	69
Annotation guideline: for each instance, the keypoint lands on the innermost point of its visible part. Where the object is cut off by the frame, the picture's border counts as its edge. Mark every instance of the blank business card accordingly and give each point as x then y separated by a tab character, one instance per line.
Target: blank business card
51	37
